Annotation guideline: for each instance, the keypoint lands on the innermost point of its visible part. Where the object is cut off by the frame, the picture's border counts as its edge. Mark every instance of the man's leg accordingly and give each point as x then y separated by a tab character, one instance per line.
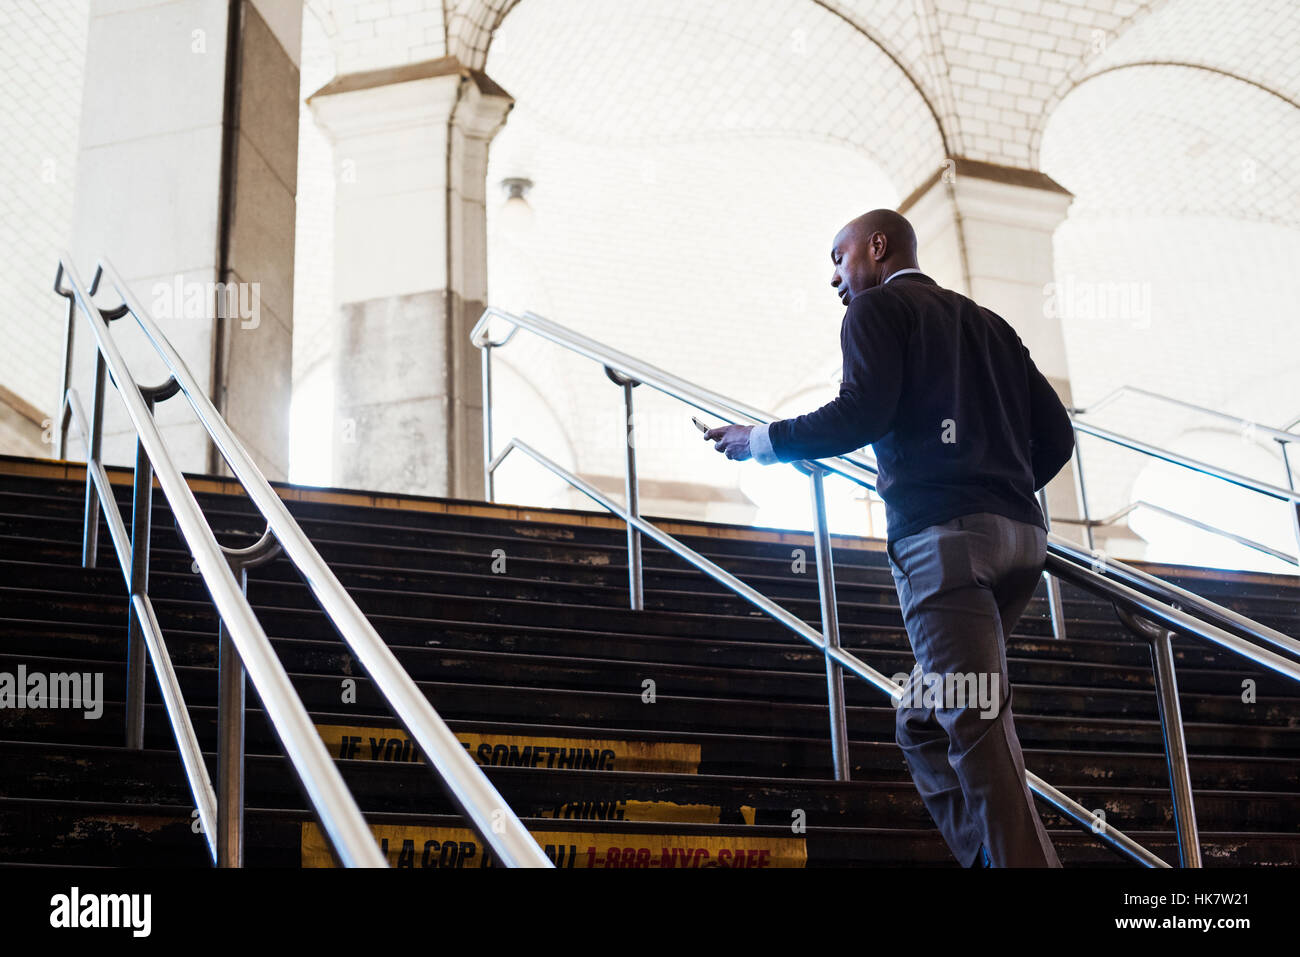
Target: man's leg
924	743
955	625
1013	593
925	747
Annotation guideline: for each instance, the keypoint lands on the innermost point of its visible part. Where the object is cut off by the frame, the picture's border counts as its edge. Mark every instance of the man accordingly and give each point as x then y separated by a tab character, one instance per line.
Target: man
965	430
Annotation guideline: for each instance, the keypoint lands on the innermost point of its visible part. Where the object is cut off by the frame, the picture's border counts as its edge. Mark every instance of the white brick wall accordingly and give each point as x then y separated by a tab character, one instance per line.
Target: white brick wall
42	55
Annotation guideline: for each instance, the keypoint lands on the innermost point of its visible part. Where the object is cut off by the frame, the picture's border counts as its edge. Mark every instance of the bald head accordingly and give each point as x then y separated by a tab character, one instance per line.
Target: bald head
869	249
900	238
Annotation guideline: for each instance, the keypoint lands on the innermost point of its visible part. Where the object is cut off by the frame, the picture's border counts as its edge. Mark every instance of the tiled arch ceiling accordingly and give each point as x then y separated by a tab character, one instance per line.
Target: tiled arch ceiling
984	70
1253	41
687	71
910	80
1188	141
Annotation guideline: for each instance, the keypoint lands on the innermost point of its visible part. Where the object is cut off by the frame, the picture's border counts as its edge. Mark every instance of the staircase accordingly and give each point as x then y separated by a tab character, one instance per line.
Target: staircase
693	733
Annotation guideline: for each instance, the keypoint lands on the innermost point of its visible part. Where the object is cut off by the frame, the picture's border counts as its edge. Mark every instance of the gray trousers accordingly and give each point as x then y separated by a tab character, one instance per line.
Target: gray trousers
962	585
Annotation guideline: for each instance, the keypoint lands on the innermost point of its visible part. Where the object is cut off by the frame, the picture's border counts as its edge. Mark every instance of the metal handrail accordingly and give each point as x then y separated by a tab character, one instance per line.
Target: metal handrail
1244	425
1173	616
1104	571
1141	600
334	804
338	812
103	488
1185	519
1283	437
187	742
1071	808
1186	461
853	466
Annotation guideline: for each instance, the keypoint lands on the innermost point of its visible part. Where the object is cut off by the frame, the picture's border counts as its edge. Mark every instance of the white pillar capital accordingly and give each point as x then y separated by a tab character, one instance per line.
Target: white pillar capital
393	131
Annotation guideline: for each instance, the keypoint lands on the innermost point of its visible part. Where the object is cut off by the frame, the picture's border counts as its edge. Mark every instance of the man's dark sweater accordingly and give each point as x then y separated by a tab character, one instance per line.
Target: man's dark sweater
960	418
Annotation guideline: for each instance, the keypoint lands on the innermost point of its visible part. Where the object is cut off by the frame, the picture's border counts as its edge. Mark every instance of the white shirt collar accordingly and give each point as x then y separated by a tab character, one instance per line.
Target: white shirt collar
901	272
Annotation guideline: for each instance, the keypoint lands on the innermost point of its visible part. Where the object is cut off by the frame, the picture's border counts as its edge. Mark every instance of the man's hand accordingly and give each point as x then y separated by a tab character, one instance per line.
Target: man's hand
731	440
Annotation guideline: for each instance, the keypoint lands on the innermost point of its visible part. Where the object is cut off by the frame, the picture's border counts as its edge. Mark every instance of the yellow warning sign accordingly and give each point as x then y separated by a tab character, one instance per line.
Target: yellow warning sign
518	751
454	847
636	811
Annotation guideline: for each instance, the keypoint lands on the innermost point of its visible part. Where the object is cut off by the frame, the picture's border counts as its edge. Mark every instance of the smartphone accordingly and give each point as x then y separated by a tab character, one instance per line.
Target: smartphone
699	425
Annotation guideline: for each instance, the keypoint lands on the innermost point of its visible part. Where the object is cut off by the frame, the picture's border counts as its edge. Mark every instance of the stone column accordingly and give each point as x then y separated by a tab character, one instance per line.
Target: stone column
410	273
986	231
186	182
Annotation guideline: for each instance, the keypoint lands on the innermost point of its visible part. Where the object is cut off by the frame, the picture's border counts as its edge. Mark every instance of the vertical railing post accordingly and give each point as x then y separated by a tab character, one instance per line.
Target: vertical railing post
631	490
230	746
230	752
231	685
830	624
1160	640
90	533
1171	724
1290	483
1054	605
68	327
635	582
1083	493
486	345
1295	526
95	441
489	476
137	652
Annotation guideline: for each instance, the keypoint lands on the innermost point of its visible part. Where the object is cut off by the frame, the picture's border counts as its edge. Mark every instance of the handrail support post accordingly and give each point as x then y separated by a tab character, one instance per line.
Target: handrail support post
1160	641
830	625
230	746
489	475
1171	724
631	490
1083	494
137	651
1054	604
90	532
68	329
141	530
1295	506
231	686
